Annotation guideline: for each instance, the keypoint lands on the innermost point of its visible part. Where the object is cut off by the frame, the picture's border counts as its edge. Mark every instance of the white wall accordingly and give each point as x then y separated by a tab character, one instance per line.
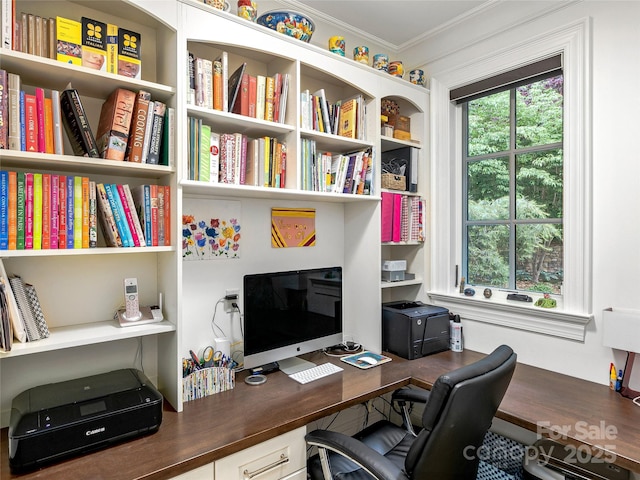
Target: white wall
616	163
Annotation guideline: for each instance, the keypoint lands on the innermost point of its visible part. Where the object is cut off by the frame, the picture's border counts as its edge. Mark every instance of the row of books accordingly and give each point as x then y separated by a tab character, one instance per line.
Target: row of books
257	96
322	171
403	218
21	316
234	158
51	211
344	117
132	127
88	42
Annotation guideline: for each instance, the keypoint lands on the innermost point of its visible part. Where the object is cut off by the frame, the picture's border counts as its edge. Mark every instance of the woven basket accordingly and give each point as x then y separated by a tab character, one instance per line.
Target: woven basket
394	182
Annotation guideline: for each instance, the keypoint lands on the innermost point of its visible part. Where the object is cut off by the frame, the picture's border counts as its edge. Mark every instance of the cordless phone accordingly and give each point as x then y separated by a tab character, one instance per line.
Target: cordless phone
132	307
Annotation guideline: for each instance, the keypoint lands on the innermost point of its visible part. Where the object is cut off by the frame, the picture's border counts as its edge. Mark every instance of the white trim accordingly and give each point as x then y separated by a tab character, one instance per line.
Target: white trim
573	41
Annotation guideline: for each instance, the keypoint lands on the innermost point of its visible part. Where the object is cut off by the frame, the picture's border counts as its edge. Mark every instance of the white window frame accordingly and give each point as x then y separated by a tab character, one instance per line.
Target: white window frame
574	311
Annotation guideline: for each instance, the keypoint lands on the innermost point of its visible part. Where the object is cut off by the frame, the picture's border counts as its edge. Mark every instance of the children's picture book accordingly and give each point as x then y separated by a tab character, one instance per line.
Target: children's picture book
365	359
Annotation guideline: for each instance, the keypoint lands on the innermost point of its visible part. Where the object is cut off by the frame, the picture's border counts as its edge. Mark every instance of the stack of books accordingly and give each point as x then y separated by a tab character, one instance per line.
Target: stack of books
22	317
344	117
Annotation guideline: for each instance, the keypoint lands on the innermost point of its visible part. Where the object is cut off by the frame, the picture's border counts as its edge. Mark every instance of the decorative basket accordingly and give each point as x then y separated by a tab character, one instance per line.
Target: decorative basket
394	182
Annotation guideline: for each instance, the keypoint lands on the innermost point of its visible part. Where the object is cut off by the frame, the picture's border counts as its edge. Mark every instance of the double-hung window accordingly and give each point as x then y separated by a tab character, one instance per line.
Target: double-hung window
511	185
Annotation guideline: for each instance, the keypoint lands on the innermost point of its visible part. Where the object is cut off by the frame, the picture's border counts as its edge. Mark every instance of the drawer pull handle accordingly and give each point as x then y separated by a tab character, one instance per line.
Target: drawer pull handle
249	475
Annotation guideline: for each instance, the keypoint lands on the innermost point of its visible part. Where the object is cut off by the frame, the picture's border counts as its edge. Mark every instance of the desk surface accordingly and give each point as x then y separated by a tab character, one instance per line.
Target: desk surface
216	426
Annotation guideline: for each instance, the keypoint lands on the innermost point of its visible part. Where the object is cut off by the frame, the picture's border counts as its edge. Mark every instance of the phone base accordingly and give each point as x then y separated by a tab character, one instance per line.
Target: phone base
147	315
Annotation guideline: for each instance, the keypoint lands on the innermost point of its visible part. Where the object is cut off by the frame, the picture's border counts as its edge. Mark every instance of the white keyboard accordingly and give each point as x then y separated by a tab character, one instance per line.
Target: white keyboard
315	373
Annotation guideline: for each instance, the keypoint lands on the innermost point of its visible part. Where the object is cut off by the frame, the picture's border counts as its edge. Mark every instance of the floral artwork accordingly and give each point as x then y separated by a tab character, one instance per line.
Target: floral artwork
211	230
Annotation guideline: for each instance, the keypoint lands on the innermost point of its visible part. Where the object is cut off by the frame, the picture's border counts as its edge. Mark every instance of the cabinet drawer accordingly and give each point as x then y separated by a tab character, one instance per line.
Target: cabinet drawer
270	460
205	472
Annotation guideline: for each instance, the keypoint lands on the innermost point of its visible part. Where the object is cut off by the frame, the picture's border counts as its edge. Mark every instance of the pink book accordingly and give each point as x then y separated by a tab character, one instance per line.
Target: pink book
28	211
128	215
386	220
396	229
41	132
55	214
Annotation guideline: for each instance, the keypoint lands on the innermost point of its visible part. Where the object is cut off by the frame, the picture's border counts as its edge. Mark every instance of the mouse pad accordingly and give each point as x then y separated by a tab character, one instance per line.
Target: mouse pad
365	359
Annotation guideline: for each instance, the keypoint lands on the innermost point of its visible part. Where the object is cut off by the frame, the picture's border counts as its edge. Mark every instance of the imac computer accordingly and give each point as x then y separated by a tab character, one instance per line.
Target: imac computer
291	313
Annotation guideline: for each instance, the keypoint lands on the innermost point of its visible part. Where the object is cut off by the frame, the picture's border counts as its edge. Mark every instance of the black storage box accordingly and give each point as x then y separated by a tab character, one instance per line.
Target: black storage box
414	329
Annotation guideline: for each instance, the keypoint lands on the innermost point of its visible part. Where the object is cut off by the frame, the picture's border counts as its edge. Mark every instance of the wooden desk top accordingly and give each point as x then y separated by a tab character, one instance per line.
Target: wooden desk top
216	426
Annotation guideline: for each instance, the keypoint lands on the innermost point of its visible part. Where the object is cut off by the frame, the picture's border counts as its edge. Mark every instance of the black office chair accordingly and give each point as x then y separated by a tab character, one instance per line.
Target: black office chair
458	413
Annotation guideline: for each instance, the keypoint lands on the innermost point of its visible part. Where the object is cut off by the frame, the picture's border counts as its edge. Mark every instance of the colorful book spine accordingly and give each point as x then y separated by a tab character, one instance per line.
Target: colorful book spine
155	135
134	214
21	197
142	198
78	212
49	141
161	214
40	131
23	121
167	215
112	48
138	127
30	123
128	214
4	110
71	220
55	211
58	142
114	125
46	211
84	197
13	210
105	218
62	211
69	33
153	200
204	166
93	215
94	44
118	215
4	210
14	111
28	211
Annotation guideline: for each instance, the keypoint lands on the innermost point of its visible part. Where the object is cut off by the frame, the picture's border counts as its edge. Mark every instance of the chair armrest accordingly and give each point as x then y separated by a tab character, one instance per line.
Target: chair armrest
411	395
356	451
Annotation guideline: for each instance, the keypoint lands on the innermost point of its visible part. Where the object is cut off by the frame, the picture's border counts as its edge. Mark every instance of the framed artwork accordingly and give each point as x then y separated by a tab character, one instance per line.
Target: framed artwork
293	227
211	229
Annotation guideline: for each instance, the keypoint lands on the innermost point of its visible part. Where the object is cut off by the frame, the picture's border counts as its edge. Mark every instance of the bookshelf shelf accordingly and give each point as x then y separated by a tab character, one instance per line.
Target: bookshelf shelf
83	251
48	73
389	143
86	334
194	187
327	141
231	122
69	163
403	283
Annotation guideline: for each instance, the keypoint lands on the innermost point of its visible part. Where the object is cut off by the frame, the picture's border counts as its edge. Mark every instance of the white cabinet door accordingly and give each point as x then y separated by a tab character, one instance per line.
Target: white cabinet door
274	459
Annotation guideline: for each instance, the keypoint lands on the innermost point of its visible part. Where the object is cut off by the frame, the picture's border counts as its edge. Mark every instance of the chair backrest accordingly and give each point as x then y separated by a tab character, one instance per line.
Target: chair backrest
459	412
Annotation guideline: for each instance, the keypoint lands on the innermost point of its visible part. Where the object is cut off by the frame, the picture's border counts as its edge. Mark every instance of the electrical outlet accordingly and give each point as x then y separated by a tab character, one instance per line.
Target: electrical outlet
231	295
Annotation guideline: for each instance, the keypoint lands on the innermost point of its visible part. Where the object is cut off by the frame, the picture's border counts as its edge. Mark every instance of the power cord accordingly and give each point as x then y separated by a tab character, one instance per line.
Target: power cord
637	401
213	320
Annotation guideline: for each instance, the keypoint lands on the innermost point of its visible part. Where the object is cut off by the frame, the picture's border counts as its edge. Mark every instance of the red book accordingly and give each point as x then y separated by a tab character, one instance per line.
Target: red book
28	211
31	122
62	211
46	210
253	95
13	210
42	144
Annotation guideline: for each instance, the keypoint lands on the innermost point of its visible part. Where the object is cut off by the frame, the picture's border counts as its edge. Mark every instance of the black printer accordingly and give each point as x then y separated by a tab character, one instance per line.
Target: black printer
61	419
414	329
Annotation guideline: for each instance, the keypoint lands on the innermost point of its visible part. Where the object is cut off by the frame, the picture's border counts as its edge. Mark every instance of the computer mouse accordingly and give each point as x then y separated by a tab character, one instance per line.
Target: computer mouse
369	360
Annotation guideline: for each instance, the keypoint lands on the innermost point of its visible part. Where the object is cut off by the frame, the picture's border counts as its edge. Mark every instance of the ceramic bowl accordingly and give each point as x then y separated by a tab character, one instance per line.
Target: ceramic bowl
292	24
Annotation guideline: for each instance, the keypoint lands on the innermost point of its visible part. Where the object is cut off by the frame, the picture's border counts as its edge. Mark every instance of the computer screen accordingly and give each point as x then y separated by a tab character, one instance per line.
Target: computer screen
291	313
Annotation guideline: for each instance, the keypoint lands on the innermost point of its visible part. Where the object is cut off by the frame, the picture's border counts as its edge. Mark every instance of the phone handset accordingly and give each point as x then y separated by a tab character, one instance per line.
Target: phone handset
132	306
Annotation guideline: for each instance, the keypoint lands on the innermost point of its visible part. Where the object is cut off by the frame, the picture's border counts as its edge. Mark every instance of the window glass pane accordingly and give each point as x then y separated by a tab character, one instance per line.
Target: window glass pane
539	184
539	113
488	124
539	257
488	189
488	255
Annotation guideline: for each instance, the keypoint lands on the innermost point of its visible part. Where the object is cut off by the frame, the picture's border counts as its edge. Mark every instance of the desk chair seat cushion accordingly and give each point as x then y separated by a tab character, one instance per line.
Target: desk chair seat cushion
389	440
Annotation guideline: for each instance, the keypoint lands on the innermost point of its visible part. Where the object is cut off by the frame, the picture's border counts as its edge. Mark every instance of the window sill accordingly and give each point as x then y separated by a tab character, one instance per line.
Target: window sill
514	314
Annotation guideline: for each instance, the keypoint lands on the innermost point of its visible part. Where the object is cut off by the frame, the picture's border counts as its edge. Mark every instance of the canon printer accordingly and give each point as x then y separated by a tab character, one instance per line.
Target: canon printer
413	329
56	420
